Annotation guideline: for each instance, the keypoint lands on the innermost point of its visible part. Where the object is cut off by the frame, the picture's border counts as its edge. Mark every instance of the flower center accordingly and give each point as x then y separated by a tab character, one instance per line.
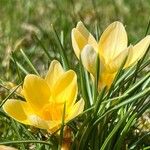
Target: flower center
53	111
46	112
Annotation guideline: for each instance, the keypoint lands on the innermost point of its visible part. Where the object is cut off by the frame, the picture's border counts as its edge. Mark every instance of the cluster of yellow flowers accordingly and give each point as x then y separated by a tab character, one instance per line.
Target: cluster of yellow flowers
49	98
112	50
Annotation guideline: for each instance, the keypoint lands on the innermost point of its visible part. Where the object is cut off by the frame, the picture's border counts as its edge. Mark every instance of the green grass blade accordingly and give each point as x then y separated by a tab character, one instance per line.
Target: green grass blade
29	62
61	49
62	127
14	124
9	95
133	146
124	132
26	141
113	132
96	78
20	66
42	46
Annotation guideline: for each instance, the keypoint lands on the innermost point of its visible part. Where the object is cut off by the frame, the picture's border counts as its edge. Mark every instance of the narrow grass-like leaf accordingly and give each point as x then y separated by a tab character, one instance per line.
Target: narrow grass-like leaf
17	132
96	79
137	84
115	98
18	72
6	88
113	132
124	132
133	146
128	101
62	127
146	148
137	96
26	141
142	59
9	95
89	92
148	27
144	56
26	131
146	84
85	134
144	107
95	11
129	74
42	46
99	100
20	67
80	131
61	50
29	62
83	86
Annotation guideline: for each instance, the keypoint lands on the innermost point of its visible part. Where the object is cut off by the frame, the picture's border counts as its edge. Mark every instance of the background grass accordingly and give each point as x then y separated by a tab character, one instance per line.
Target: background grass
27	24
19	20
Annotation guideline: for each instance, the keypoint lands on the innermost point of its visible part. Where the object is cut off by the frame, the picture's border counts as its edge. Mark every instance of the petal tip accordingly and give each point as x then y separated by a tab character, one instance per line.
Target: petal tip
118	23
29	76
80	23
54	63
73	31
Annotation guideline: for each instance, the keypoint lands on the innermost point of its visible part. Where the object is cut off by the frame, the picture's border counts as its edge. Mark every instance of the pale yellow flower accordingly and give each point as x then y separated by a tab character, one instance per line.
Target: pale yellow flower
46	98
112	49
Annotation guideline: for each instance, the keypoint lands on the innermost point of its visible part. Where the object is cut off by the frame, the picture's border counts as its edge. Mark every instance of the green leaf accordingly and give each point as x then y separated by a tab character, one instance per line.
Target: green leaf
29	62
62	127
9	95
113	132
42	46
26	141
124	132
61	49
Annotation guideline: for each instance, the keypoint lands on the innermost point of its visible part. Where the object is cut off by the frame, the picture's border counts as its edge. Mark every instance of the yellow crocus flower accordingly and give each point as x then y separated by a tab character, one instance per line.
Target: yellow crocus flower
112	49
45	99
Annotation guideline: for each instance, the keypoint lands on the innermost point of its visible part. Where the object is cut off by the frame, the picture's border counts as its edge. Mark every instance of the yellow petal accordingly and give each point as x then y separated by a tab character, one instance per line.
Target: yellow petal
136	53
88	57
54	73
19	110
36	92
113	41
3	147
54	126
106	80
80	37
83	30
115	64
38	122
76	109
65	90
78	41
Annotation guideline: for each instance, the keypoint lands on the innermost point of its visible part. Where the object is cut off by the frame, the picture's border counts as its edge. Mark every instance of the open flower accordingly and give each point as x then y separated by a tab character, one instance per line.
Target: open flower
46	98
112	49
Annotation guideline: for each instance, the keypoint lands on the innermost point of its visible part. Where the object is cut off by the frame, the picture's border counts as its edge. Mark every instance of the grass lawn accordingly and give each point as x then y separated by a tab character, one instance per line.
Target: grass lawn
35	32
